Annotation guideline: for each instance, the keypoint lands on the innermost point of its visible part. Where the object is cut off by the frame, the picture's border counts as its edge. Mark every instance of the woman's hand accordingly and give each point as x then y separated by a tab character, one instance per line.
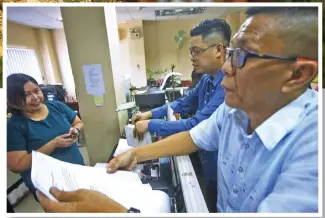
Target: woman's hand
81	201
64	140
73	132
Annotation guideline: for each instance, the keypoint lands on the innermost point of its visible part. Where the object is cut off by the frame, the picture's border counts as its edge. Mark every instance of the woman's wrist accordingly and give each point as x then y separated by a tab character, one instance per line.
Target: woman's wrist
53	143
78	126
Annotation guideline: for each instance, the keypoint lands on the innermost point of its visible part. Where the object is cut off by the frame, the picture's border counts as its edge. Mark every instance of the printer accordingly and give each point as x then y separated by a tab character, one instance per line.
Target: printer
150	99
177	178
155	97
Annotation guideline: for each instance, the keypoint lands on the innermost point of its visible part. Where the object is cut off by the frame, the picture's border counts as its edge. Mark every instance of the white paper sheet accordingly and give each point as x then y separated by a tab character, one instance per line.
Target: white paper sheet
126	106
133	141
122	147
101	165
170	114
122	186
136	170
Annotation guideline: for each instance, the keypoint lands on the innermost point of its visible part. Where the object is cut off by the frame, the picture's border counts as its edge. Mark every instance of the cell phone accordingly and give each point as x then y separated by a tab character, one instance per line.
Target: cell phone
71	136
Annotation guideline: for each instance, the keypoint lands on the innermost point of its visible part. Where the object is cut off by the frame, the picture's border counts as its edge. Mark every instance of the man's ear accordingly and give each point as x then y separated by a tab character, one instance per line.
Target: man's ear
303	73
219	50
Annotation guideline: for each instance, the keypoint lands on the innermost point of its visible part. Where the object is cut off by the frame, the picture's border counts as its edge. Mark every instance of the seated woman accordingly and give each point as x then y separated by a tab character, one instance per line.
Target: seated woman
49	127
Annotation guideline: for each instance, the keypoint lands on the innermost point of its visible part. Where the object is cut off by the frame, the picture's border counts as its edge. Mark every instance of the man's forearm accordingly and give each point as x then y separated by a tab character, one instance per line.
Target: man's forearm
158	112
175	145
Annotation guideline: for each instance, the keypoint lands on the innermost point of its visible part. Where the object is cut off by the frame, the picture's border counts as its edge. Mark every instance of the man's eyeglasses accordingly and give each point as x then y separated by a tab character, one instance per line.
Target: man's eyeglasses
197	52
239	57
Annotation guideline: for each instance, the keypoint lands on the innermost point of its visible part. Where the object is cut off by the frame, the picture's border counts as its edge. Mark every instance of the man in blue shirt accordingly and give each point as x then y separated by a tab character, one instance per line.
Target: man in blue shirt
267	129
207	51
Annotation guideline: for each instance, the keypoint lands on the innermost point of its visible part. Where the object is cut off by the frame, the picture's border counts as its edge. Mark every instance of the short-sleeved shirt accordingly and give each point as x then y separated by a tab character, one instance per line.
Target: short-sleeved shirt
24	134
274	169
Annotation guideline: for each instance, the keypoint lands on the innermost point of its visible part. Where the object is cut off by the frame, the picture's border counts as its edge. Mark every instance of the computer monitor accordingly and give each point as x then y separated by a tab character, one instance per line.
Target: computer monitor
150	100
53	92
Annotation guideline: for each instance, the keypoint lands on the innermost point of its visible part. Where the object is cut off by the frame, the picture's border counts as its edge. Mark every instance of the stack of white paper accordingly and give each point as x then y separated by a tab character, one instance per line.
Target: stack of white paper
122	186
170	114
136	170
134	141
126	106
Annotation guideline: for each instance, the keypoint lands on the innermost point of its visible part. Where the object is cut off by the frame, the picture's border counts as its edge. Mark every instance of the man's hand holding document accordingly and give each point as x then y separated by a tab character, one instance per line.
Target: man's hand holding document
134	138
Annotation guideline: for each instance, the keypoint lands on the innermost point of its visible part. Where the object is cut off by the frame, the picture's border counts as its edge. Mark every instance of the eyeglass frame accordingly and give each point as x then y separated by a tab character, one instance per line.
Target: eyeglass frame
254	54
203	50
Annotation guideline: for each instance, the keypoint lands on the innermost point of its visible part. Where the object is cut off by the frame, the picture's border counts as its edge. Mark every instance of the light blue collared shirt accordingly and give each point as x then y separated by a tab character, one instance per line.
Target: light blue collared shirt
275	169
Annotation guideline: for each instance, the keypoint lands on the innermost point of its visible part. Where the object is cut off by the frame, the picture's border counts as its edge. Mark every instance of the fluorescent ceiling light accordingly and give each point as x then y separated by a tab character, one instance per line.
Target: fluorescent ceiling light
179	11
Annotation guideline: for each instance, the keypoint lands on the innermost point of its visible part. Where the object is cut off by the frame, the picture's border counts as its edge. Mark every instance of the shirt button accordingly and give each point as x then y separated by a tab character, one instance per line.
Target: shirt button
235	190
240	169
246	146
205	102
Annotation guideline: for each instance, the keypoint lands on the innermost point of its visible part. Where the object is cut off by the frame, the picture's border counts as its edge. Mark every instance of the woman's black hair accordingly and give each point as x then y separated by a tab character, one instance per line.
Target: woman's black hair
15	91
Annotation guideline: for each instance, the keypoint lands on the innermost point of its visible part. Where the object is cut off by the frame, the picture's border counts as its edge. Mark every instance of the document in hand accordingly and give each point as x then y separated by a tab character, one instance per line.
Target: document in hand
122	186
134	141
170	114
122	147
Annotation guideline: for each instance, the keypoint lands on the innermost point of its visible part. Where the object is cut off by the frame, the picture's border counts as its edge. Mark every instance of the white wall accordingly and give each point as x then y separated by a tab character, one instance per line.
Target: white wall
137	60
119	61
133	53
61	49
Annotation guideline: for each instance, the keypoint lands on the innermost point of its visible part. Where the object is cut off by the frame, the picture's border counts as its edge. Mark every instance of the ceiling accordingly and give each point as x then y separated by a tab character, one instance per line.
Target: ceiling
148	13
39	17
50	17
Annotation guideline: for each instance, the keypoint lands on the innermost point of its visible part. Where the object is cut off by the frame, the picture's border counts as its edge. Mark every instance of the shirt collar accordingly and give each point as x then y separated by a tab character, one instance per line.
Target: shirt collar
270	132
216	80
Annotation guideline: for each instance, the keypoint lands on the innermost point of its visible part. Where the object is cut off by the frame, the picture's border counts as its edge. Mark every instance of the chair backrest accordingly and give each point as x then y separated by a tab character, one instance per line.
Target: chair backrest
168	79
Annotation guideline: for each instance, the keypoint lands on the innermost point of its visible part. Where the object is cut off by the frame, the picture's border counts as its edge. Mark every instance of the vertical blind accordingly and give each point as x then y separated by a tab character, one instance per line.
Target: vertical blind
23	61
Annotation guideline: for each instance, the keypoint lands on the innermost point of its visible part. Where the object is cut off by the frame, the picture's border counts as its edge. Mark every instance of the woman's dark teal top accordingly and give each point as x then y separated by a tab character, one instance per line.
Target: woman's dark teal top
24	134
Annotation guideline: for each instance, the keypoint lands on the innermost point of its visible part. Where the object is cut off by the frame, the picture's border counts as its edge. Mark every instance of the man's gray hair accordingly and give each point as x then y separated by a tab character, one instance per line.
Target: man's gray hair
297	27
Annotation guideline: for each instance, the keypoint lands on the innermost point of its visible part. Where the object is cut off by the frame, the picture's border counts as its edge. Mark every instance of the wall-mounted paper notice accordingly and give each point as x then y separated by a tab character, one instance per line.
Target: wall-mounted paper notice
99	101
94	79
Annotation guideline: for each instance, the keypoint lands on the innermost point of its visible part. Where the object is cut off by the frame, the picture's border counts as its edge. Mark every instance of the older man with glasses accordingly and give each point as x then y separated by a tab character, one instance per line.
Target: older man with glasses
267	129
